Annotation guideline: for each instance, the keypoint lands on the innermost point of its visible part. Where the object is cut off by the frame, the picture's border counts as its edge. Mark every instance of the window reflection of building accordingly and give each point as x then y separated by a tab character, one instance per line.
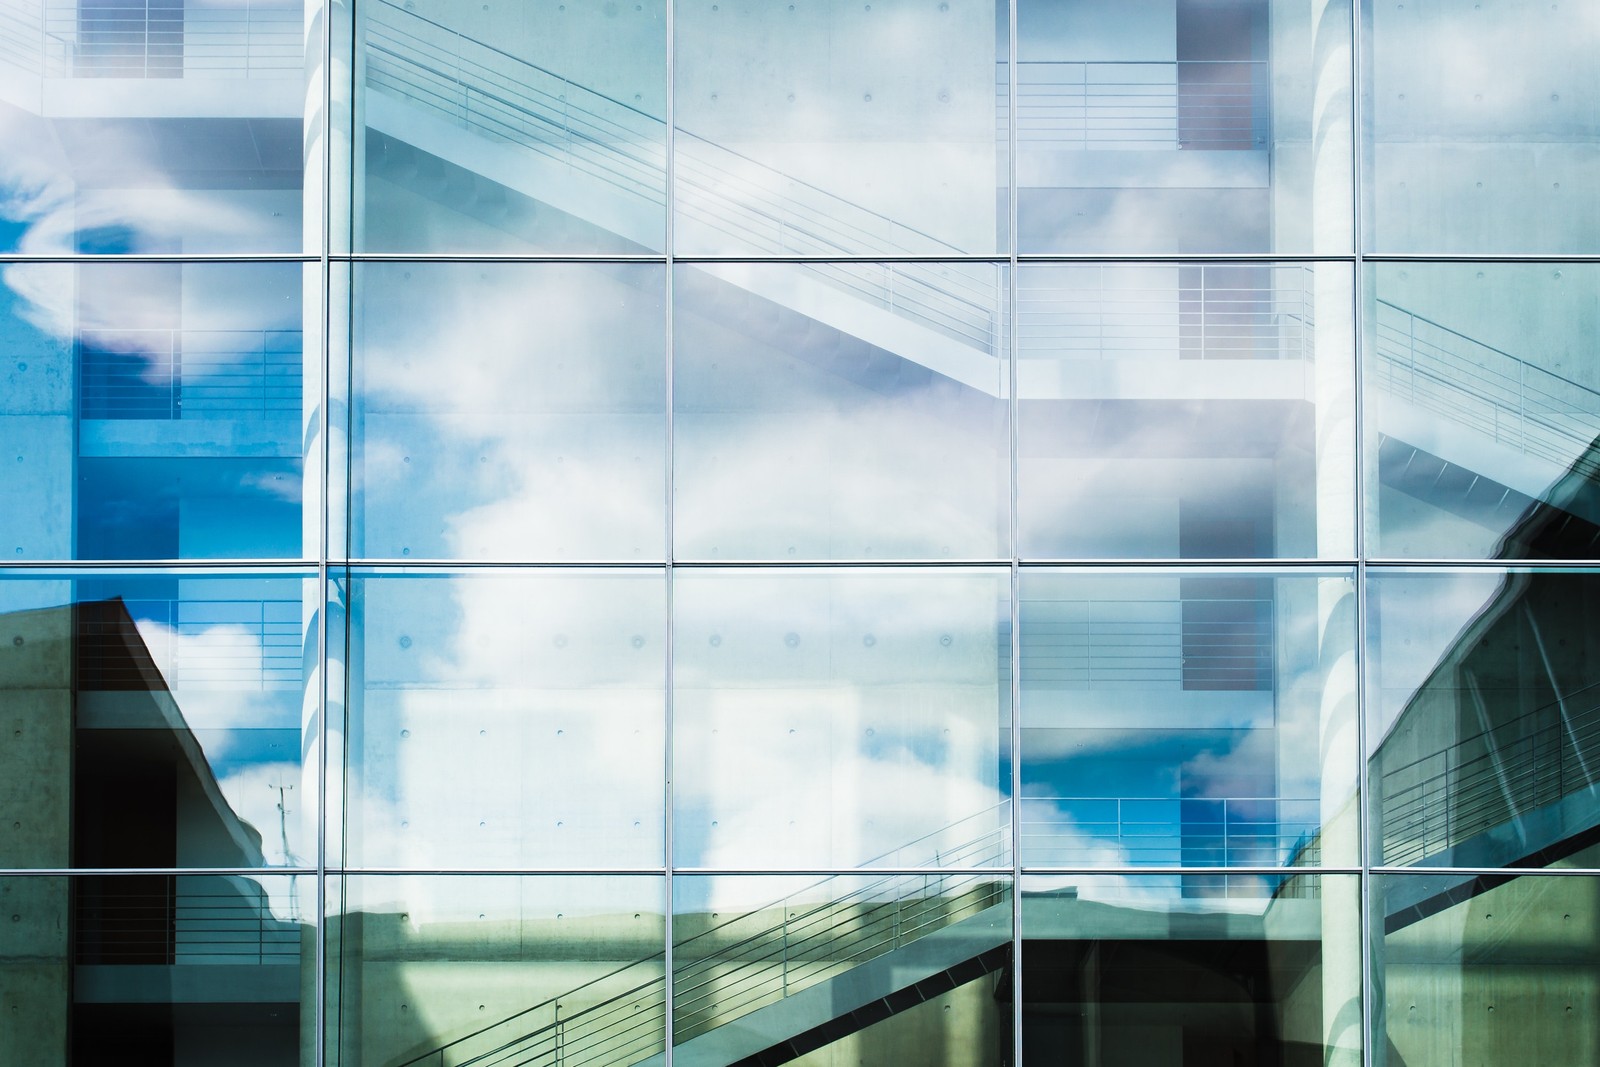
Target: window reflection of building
936	577
112	777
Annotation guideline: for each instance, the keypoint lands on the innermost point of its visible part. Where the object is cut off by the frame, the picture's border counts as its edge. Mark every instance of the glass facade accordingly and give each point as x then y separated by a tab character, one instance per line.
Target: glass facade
985	532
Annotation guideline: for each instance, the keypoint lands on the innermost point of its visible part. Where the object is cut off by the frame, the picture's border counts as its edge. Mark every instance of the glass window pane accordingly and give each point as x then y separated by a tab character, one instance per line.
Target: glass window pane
1185	126
1483	410
160	127
1169	969
1194	719
506	720
836	128
511	128
1484	688
509	411
840	411
158	720
156	968
1185	410
850	969
1480	127
840	718
1487	968
166	969
463	969
157	410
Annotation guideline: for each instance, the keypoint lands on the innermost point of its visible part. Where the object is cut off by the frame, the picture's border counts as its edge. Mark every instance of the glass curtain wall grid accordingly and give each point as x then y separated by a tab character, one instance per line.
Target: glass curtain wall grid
706	533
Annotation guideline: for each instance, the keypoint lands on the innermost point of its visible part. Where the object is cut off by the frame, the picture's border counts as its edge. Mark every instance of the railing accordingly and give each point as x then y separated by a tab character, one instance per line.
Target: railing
752	961
174	40
1489	778
180	919
1176	832
22	35
1215	105
506	98
177	374
1516	403
746	962
232	644
1194	643
1212	317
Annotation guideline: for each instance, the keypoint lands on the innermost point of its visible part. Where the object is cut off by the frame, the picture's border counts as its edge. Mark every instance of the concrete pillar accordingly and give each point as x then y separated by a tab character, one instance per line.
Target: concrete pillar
35	812
1339	758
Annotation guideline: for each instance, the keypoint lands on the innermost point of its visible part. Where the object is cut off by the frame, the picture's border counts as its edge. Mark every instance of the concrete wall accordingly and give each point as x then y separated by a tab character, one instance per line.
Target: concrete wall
35	808
1506	977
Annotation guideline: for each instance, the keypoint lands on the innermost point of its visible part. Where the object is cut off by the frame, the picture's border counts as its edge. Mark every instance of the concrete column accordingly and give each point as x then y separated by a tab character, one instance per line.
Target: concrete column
35	813
1339	757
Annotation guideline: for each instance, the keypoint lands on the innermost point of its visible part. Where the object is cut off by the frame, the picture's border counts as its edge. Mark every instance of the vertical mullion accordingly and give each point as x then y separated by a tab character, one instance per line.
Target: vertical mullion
1358	335
669	576
1014	408
325	311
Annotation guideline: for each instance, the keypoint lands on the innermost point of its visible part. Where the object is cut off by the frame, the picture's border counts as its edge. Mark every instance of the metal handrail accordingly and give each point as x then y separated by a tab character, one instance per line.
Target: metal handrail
1152	831
596	1026
22	36
1105	105
1207	320
252	40
807	947
1467	796
181	924
1120	643
620	144
1524	406
265	653
154	373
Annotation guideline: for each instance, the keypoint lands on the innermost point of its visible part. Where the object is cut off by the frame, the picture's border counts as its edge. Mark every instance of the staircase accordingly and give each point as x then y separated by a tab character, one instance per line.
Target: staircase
1511	777
768	984
1510	428
536	132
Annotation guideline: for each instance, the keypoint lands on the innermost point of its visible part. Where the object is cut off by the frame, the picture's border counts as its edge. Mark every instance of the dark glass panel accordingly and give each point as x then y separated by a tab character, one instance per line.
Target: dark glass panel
156	721
1484	690
1244	970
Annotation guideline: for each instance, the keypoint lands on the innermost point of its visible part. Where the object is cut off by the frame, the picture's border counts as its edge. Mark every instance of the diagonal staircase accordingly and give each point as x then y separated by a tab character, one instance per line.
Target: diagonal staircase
536	132
1475	428
1515	788
765	985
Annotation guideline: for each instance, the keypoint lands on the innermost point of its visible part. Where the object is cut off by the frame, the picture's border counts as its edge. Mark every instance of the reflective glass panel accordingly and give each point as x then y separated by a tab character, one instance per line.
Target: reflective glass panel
835	128
1484	693
508	411
158	969
160	126
527	127
1481	131
1186	126
1185	410
1193	718
429	969
840	411
157	720
1483	410
506	719
840	718
1487	968
156	410
1195	968
846	969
